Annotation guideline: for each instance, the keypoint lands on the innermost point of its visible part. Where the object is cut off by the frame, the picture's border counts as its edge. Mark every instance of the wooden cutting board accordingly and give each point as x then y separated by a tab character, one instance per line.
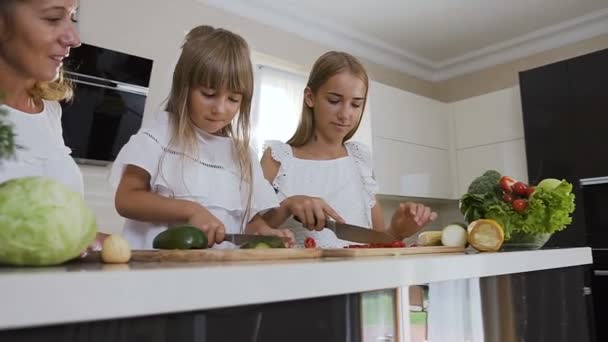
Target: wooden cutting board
201	255
369	252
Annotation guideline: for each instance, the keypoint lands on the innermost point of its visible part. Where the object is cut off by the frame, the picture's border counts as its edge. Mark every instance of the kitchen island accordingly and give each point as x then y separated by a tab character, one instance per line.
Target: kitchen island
78	292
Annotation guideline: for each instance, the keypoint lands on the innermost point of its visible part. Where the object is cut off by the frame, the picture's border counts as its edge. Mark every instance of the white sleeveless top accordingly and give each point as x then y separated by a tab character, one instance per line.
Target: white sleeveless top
212	178
346	184
41	151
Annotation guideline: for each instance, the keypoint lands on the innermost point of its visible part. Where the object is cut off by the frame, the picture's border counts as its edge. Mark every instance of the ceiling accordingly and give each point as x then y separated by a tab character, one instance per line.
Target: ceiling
433	39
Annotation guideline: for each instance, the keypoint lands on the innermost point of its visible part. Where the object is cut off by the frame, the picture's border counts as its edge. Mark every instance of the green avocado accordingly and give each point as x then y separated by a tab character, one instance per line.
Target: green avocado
263	244
181	237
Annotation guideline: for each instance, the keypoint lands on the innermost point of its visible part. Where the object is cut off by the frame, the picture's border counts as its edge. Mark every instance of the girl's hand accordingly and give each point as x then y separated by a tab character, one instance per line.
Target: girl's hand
312	212
208	223
411	217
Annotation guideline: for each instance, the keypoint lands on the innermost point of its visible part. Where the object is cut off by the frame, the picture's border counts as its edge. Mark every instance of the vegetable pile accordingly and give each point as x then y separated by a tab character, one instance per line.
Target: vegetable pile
518	207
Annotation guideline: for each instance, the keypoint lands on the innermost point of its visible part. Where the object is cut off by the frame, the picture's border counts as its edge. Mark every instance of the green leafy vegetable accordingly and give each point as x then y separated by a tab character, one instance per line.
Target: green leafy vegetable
7	137
42	222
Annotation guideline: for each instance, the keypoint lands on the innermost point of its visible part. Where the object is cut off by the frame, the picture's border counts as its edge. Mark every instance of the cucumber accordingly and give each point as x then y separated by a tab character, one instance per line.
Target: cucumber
181	237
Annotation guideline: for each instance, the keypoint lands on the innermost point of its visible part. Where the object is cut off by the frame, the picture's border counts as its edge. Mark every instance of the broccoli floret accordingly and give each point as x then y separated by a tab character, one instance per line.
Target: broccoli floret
486	183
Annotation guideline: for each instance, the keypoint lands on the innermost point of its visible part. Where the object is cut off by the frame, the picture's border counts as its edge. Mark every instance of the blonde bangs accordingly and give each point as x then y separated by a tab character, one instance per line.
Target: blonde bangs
224	67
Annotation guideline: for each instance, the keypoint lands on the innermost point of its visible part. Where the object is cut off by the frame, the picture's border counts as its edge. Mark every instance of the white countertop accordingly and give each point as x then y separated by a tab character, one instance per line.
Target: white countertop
85	292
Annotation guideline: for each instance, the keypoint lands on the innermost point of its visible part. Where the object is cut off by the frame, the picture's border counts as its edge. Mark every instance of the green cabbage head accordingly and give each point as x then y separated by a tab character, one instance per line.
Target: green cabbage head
42	222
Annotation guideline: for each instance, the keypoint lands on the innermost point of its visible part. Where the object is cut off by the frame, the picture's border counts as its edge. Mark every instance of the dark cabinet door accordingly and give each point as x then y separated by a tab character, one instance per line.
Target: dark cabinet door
589	79
551	128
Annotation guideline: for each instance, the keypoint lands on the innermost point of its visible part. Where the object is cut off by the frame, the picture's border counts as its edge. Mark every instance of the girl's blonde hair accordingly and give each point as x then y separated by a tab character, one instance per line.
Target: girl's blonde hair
56	90
214	58
327	66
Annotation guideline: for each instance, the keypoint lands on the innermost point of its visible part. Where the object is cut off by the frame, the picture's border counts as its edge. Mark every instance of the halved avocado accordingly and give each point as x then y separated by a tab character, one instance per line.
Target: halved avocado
181	237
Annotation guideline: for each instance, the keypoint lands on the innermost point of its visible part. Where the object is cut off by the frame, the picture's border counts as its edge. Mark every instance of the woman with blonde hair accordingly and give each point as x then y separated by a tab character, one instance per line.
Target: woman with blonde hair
320	173
35	37
193	163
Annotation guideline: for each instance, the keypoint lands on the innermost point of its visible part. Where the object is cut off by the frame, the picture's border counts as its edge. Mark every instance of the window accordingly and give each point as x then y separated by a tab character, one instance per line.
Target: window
277	105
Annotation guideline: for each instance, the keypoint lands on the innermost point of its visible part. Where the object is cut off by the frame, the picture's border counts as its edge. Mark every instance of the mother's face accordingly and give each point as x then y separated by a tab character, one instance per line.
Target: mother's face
36	35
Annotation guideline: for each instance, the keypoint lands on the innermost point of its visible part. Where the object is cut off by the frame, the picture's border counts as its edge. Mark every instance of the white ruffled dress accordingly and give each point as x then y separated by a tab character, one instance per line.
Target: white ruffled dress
211	178
346	184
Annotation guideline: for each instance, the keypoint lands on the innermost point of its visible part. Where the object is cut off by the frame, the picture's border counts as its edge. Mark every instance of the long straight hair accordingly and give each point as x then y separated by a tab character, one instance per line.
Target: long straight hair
327	66
214	58
56	90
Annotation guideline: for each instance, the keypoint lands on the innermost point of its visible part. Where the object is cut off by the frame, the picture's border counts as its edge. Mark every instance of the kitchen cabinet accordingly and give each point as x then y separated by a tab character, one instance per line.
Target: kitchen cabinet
508	158
426	148
564	106
488	134
410	118
411	170
488	119
410	144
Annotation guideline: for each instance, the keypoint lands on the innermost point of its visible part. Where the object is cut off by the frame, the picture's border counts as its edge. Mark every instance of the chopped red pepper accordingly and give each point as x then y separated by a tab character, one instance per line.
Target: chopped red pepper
310	243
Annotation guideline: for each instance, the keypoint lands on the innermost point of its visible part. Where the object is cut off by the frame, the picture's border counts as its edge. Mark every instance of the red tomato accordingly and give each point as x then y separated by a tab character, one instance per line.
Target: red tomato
398	244
520	205
520	188
310	243
507	197
506	183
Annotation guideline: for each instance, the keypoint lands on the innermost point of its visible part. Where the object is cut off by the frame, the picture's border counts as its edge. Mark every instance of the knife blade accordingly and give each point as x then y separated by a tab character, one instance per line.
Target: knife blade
358	234
354	233
239	239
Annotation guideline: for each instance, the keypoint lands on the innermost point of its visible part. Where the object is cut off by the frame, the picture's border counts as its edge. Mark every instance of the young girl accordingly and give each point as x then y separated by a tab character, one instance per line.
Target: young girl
319	174
193	163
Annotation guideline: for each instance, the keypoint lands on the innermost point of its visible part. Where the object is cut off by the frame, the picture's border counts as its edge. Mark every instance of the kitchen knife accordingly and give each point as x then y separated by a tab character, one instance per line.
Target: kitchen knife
354	233
239	239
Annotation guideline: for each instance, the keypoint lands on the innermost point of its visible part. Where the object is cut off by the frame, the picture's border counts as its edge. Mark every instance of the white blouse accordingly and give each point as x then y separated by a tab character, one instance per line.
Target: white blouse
210	177
346	184
41	150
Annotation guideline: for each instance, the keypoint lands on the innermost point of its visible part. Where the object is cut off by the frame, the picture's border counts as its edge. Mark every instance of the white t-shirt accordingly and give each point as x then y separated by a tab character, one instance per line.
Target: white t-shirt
41	151
346	184
212	178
